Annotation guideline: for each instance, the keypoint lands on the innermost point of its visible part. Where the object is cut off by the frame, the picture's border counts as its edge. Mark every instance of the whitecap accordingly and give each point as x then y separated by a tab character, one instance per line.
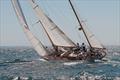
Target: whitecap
117	78
16	78
21	78
116	53
72	63
42	60
116	62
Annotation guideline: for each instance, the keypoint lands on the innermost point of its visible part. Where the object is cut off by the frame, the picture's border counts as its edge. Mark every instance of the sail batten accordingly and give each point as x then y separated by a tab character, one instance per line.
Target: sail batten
37	45
57	36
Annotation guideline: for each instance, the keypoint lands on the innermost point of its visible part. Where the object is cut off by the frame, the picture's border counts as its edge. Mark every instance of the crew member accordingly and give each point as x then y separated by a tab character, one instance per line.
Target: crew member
77	48
83	47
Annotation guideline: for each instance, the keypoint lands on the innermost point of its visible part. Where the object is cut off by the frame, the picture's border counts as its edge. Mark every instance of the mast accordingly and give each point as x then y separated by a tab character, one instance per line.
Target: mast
37	45
79	22
57	37
48	36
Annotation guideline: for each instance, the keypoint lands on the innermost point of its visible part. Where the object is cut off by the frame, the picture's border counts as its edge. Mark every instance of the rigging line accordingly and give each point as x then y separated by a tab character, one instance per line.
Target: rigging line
45	7
46	10
55	9
78	34
82	21
48	36
79	21
49	10
58	13
62	15
34	25
78	26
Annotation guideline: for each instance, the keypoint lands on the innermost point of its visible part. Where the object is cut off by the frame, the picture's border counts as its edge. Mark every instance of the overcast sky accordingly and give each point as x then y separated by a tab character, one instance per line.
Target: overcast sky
101	16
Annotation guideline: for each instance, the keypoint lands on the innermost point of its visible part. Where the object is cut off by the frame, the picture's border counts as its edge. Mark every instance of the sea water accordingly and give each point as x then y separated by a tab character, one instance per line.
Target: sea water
25	63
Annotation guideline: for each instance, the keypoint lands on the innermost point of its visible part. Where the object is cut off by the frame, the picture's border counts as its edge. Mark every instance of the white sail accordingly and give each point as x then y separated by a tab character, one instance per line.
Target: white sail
93	42
37	45
57	36
92	39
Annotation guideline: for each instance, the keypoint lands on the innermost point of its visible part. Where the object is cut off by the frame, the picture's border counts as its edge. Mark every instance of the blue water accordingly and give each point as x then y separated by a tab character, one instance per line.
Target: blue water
38	69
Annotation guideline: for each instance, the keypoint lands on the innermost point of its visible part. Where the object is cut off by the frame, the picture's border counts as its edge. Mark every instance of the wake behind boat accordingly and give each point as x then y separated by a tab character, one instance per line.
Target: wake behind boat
63	48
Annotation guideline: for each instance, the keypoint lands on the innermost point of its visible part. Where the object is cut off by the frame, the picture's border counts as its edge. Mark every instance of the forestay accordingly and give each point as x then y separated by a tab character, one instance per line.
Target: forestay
56	35
92	40
34	41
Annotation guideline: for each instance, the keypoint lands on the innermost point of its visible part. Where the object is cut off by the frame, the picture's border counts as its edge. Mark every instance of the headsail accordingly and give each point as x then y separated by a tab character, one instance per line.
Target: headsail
93	42
56	35
92	39
34	41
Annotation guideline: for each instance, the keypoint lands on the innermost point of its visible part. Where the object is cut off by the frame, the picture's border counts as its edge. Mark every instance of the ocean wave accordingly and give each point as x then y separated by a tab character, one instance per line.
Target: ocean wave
39	69
116	53
40	59
72	63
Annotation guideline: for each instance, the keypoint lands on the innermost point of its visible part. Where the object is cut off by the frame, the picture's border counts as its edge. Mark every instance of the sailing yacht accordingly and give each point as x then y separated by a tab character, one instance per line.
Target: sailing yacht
63	47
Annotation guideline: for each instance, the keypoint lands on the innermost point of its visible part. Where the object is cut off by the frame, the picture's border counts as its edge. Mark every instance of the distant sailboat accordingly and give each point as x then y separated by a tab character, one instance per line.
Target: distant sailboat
64	47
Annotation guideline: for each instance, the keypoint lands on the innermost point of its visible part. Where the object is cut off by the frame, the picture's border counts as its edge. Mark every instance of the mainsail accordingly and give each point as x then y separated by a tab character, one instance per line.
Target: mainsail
56	35
93	42
38	46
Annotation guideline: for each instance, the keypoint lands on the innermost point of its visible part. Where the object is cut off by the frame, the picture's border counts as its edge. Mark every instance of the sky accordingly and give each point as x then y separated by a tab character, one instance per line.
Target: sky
101	16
